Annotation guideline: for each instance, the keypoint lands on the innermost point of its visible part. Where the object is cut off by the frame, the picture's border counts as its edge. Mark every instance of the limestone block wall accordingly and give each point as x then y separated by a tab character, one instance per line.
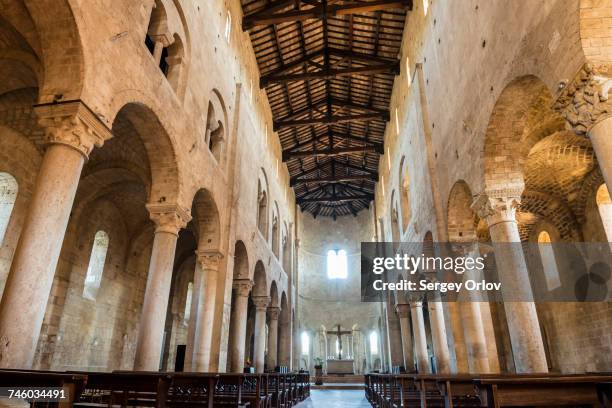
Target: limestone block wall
469	52
324	302
19	158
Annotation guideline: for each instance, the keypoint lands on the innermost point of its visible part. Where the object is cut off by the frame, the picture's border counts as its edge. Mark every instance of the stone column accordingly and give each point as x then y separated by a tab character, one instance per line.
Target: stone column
420	338
587	108
394	333
198	289
169	219
261	305
403	311
209	264
71	132
499	210
273	313
285	338
474	335
242	288
438	336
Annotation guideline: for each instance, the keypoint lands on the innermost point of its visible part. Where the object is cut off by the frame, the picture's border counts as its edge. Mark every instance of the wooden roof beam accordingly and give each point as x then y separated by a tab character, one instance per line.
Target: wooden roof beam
331	120
335	179
267	17
337	199
392	68
338	151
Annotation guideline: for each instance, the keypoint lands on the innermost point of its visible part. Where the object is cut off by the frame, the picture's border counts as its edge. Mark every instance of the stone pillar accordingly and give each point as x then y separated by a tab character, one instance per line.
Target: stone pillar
394	333
198	289
261	306
474	335
207	302
273	313
601	139
71	132
403	311
438	336
420	338
285	338
242	287
169	219
499	210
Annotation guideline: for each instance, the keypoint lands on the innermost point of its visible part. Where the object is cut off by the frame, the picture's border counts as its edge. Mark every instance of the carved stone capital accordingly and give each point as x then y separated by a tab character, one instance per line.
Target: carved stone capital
73	124
403	310
261	302
416	305
168	218
209	259
274	312
242	287
585	100
498	205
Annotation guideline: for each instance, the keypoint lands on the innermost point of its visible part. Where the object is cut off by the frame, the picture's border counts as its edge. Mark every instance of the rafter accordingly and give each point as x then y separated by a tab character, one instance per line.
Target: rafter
392	68
267	17
331	120
339	137
338	151
335	179
337	199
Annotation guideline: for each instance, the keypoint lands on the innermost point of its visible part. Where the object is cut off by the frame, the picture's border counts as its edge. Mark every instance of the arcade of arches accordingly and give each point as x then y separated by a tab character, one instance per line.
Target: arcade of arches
151	218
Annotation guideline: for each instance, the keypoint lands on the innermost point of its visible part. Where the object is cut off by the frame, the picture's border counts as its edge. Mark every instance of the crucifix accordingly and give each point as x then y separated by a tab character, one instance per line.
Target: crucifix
339	334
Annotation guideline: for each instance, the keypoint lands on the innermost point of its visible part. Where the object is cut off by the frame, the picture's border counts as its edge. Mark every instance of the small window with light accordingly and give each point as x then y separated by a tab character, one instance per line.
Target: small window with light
336	264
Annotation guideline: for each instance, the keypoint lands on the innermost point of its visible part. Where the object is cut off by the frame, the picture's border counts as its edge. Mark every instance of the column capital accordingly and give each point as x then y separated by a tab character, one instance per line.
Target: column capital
584	101
261	302
242	286
209	259
415	305
72	123
497	206
403	310
168	218
274	312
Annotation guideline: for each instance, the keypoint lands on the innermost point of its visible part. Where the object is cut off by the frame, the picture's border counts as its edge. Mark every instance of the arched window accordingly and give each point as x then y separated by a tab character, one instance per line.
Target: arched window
215	125
337	267
167	49
286	251
373	343
604	204
305	343
95	269
8	195
188	300
405	194
262	206
275	232
549	263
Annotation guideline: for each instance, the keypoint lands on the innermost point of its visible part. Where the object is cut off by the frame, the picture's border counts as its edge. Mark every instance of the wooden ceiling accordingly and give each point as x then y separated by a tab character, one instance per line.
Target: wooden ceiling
328	68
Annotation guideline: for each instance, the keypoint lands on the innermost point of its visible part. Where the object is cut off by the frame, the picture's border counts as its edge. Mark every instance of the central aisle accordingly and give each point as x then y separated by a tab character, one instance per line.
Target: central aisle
336	399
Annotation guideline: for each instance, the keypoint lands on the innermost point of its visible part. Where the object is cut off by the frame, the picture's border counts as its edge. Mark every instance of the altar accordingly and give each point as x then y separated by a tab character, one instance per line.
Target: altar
335	366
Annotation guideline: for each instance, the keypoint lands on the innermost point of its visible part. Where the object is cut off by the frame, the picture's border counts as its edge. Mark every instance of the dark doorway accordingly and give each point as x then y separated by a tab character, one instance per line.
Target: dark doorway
179	362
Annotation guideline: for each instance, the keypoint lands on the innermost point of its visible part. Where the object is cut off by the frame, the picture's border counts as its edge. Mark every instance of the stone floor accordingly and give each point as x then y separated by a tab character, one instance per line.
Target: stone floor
335	399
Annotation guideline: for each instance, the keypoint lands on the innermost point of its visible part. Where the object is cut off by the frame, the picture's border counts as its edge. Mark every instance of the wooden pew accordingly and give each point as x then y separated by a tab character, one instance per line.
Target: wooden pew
73	384
575	390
